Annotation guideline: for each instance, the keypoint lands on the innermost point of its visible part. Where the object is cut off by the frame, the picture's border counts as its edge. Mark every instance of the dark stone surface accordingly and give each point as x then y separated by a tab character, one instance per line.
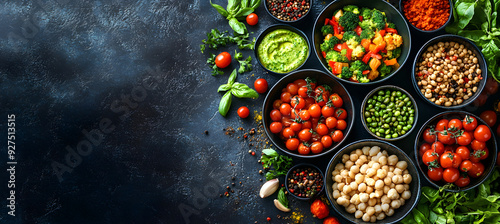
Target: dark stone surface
131	73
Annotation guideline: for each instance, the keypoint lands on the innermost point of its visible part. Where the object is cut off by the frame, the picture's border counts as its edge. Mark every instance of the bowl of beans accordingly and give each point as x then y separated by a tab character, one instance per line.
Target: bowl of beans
454	148
389	113
308	114
372	181
449	72
304	181
427	16
288	11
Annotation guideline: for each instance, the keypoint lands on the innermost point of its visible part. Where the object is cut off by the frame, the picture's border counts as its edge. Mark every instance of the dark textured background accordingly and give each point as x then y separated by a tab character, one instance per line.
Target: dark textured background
67	66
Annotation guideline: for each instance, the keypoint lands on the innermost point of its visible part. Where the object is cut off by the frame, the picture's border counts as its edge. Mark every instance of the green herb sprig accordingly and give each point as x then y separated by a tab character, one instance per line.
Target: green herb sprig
237	89
245	65
237	10
211	63
280	163
215	38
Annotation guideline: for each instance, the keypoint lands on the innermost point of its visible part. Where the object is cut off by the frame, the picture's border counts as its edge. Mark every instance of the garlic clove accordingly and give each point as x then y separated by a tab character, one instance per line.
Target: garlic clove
269	188
281	207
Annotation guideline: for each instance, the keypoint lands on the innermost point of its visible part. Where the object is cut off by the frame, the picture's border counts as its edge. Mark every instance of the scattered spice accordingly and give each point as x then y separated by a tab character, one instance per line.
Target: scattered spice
288	10
268	219
427	14
206	132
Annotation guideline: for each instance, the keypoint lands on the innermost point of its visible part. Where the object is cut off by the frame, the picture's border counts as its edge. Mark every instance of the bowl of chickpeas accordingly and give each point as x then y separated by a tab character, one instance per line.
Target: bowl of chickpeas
449	72
372	181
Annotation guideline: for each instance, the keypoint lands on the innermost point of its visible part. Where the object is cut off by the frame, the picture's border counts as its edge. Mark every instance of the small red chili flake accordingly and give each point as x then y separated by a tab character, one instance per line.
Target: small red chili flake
466	80
253	153
429	64
420	74
268	219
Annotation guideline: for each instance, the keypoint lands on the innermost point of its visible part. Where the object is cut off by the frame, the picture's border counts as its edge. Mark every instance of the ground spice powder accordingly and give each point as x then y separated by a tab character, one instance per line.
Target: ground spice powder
427	14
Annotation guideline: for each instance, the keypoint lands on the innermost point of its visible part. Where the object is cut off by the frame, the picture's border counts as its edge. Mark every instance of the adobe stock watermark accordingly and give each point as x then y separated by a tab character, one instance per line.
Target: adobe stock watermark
123	107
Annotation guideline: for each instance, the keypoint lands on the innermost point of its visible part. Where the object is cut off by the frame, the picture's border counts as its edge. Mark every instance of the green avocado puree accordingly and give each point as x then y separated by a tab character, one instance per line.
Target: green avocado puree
282	51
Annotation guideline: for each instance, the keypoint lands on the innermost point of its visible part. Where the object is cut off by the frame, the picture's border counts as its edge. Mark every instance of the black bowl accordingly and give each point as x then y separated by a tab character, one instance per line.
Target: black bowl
303	165
392	14
402	211
293	21
489	163
469	45
390	87
275	27
321	78
427	31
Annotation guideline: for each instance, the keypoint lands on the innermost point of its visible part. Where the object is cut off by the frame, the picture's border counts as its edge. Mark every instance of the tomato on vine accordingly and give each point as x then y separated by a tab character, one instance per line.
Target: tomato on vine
469	123
451	175
435	174
462	181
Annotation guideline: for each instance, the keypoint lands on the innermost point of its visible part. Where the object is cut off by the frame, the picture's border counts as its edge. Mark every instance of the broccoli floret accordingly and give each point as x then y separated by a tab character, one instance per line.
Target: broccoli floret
378	20
327	29
362	78
366	13
336	57
366	24
367	34
329	44
358	52
346	73
391	25
394	53
349	21
351	8
351	38
357	67
384	69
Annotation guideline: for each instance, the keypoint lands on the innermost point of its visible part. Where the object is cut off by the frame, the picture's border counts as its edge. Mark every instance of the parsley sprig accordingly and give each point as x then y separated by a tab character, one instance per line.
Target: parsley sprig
280	163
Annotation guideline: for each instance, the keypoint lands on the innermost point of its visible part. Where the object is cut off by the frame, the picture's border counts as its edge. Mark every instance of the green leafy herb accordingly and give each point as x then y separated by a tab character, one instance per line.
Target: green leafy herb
282	197
237	10
271	159
211	63
215	38
480	205
237	89
245	65
477	21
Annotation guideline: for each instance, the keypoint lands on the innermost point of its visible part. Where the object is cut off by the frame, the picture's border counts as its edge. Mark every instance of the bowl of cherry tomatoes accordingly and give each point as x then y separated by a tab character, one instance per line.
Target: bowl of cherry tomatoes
308	114
454	148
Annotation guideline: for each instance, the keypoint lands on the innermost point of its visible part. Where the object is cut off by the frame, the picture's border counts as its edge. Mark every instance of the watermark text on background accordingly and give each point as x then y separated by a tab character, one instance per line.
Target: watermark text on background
11	163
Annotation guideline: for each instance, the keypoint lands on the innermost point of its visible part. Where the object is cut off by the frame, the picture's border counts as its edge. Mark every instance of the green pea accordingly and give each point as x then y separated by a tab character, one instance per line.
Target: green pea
369	101
367	114
392	99
398	93
373	124
376	114
408	126
372	129
393	119
386	100
397	113
395	135
403	132
405	128
388	136
393	94
372	110
399	127
387	92
400	104
391	105
378	134
408	103
388	131
385	116
386	126
388	120
406	99
380	93
380	98
410	120
412	111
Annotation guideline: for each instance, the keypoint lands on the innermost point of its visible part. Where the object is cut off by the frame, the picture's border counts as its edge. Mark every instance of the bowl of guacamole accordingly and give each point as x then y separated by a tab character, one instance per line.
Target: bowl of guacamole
281	49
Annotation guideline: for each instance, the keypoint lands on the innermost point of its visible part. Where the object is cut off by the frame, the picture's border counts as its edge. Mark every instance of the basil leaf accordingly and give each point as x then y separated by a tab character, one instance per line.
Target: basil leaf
441	219
219	9
244	3
233	6
465	11
232	77
474	35
225	103
419	217
243	91
224	87
282	198
237	26
255	4
243	12
270	152
430	193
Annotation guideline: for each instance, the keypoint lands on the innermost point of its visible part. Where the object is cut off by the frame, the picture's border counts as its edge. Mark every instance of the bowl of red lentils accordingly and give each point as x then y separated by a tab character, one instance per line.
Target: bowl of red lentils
288	11
449	72
427	16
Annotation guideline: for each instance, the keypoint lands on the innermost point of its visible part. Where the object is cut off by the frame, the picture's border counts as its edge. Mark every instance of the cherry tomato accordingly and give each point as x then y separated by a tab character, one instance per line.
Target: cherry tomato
482	153
223	60
465	138
474	157
307	125
477	170
480	100
292	144
336	100
285	109
292	88
316	147
275	115
260	85
331	122
477	145
288	133
462	181
331	220
322	129
423	148
252	19
469	123
277	104
276	127
303	92
428	137
305	135
455	124
490	117
341	124
446	160
337	136
296	127
286	97
438	147
463	152
482	133
243	112
327	111
326	141
442	125
435	174
430	158
445	138
341	114
297	102
304	115
303	149
491	86
300	82
466	166
451	175
315	110
286	121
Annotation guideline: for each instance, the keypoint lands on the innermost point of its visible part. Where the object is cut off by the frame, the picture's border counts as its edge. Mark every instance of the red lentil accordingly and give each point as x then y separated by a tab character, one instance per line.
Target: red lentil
427	14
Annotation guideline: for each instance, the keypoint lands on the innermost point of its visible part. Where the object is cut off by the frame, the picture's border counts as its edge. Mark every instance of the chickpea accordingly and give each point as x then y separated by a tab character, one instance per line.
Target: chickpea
374	151
385	199
370	181
344	173
351	174
354	157
372	202
345	157
402	165
354	185
406	195
348	164
407	178
382	160
355	199
342	201
339	166
382	173
379	184
359	178
381	216
392	160
366	150
407	186
400	188
363	197
358	152
371	172
386	189
385	207
397	179
362	187
358	214
351	208
366	217
370	210
363	168
393	194
369	189
347	189
376	165
341	186
335	186
373	218
390	212
387	180
362	206
395	204
338	178
336	194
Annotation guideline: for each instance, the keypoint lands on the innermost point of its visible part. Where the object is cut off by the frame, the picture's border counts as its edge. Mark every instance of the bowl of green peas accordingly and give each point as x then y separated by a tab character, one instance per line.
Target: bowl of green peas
389	113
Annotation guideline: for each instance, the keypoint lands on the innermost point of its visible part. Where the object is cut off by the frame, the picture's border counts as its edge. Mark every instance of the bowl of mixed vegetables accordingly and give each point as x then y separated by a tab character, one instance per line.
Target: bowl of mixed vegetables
361	42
